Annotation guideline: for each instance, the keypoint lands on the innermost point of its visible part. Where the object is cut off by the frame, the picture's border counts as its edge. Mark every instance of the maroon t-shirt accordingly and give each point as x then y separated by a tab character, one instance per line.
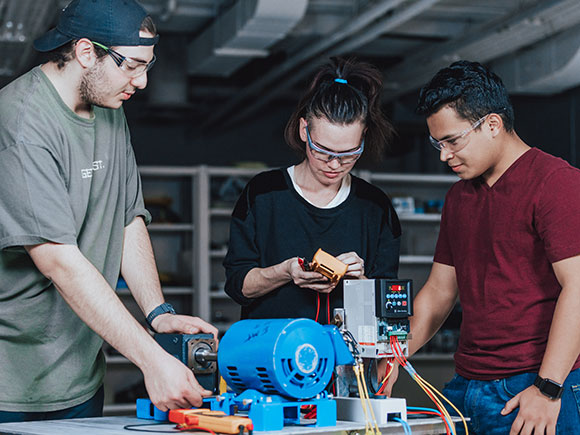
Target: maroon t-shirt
502	241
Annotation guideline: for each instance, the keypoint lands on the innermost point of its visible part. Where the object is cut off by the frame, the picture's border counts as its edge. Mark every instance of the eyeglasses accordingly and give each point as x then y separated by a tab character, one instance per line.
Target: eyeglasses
457	142
131	67
327	156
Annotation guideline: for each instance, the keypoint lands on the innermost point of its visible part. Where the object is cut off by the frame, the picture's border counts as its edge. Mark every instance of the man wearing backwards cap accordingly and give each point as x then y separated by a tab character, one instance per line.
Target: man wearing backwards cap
72	218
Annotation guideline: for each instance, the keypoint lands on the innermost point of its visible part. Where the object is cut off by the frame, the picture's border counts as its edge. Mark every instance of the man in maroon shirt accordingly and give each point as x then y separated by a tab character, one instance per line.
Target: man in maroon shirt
509	248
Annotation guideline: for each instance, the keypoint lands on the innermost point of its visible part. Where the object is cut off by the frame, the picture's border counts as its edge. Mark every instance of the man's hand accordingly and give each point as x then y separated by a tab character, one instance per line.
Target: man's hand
171	384
356	265
176	323
382	369
538	414
311	280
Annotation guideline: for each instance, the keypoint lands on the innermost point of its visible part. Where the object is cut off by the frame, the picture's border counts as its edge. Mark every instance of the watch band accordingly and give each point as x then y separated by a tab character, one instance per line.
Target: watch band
157	311
548	387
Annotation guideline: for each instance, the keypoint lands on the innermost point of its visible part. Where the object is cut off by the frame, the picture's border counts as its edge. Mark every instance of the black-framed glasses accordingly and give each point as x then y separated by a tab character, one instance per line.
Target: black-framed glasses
327	156
131	67
459	141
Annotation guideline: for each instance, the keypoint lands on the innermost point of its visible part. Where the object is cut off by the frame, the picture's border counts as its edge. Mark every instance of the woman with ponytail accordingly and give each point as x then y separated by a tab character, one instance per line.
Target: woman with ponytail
286	214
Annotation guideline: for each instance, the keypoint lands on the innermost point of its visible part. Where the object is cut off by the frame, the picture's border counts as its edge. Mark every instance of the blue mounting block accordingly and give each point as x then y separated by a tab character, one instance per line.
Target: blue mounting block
273	412
146	410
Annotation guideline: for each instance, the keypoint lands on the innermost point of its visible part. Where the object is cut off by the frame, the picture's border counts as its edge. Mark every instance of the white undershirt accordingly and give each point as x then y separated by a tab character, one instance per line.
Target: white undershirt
338	199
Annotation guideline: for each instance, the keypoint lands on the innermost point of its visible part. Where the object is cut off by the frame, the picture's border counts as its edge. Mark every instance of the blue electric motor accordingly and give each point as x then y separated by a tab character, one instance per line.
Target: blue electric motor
289	357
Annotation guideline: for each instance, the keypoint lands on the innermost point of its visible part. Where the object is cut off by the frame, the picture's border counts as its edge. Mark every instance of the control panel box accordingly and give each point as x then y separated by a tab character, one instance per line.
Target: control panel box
374	311
393	298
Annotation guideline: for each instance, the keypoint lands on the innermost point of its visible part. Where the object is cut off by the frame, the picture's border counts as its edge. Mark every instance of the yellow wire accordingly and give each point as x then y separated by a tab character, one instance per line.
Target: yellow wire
450	404
440	405
368	427
428	387
386	377
366	392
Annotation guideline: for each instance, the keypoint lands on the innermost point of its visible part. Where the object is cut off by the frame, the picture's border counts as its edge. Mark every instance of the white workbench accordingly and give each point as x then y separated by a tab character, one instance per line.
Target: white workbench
115	426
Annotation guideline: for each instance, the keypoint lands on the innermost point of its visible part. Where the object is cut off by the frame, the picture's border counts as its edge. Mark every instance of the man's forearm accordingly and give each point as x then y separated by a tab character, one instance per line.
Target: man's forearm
564	339
138	266
432	306
563	345
93	300
261	281
425	321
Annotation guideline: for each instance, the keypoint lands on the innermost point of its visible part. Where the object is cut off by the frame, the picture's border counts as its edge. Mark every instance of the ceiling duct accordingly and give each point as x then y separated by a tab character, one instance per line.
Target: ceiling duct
484	43
550	67
245	31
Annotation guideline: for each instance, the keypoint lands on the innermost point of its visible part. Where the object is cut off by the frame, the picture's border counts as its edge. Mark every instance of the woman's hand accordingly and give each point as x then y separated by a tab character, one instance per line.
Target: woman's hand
356	265
311	280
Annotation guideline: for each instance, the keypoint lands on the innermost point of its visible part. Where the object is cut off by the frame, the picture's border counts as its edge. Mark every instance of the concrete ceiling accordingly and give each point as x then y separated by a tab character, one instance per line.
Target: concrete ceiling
226	59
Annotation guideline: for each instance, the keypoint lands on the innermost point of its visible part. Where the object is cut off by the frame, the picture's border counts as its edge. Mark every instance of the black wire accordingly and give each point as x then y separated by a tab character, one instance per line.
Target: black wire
369	376
331	384
133	427
351	341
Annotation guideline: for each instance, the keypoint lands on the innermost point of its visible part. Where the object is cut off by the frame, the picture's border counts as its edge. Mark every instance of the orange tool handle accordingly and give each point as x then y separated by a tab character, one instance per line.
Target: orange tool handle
217	421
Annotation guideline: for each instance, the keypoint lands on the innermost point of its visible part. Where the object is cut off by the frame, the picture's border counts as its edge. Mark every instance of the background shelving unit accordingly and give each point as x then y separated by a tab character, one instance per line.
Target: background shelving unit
190	242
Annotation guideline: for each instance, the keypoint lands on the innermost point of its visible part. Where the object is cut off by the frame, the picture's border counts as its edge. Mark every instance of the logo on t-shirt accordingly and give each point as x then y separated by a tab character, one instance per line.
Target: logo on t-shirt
88	173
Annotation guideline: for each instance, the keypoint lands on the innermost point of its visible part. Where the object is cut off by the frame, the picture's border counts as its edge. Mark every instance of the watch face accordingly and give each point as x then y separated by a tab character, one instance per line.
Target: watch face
549	387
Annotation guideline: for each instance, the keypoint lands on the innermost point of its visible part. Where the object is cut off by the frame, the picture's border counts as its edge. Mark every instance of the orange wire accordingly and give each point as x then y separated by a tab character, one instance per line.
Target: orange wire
400	357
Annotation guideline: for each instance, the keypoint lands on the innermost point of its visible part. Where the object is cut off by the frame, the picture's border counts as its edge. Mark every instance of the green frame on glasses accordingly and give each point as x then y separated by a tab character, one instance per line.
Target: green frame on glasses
134	68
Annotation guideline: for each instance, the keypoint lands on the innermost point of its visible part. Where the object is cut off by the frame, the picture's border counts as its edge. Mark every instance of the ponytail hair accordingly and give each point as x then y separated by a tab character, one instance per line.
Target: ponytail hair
344	91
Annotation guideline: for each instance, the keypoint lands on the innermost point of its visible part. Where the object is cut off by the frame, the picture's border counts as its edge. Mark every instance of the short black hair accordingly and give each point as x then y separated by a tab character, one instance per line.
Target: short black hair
471	89
344	91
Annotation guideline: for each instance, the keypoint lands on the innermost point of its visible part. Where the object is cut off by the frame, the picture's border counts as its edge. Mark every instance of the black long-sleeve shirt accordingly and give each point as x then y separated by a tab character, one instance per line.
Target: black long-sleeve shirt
271	222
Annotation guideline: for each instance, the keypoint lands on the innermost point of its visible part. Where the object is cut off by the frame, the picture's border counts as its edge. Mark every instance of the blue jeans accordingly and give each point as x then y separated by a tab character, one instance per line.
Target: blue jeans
482	401
91	408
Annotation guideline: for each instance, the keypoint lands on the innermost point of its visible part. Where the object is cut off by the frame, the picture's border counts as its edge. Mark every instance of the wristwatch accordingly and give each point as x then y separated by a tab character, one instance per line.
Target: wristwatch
161	309
548	387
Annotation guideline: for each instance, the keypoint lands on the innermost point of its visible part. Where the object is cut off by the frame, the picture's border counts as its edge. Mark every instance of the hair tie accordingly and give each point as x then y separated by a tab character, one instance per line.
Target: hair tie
343	81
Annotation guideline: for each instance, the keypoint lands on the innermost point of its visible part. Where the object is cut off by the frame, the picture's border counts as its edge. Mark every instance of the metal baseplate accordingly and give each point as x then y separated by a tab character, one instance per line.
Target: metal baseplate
272	412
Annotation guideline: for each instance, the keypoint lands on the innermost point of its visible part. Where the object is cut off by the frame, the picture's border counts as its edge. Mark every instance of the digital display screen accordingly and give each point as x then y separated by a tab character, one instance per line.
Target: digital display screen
396	287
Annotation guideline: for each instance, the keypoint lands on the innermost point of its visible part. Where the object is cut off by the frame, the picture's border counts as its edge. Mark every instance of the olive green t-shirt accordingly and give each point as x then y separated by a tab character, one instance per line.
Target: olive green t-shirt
63	179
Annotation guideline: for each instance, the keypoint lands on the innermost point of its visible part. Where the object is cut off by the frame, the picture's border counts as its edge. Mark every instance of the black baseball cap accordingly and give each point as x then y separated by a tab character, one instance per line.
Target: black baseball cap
109	22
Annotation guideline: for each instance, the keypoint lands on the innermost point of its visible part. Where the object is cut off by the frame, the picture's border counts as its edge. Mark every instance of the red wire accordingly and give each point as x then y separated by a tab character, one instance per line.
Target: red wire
447	429
328	308
311	414
317	306
380	392
400	357
425	412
